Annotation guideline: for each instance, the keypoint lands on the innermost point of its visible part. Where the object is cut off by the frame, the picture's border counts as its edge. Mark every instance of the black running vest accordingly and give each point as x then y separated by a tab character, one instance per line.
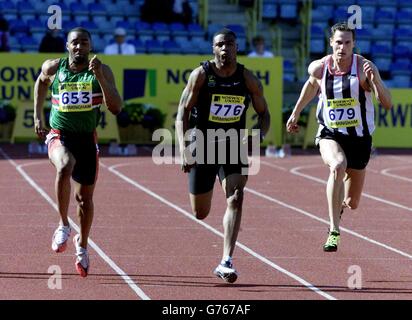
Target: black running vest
222	102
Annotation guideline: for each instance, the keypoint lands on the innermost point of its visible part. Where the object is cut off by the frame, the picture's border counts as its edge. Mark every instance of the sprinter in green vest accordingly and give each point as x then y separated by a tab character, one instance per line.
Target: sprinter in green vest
79	86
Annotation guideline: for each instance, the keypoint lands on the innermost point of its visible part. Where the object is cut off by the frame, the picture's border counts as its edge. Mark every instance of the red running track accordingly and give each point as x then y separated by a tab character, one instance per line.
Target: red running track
146	244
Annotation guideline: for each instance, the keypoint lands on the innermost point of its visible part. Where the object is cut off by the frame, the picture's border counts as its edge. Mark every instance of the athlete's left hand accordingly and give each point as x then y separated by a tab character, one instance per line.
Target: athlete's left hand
369	70
95	65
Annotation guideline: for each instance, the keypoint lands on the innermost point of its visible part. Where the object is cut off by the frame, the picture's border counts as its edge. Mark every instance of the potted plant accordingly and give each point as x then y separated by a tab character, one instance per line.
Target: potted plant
137	121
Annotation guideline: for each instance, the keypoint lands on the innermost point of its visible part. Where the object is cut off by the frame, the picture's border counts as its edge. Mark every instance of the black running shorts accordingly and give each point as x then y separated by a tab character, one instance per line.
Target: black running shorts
84	149
357	149
202	177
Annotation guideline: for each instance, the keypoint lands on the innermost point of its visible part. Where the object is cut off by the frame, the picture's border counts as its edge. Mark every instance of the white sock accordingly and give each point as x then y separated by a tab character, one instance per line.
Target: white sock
227	259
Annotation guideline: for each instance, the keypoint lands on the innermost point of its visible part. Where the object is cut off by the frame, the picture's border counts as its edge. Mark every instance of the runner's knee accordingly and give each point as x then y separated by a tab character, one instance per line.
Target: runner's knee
83	202
201	213
338	168
235	201
64	165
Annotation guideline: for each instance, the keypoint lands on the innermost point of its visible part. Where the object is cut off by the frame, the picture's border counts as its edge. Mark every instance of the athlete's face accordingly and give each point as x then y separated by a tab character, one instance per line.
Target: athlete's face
224	48
79	46
342	44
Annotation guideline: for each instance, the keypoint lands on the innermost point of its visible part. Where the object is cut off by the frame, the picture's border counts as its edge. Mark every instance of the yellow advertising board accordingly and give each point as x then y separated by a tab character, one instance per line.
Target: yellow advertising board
156	80
394	126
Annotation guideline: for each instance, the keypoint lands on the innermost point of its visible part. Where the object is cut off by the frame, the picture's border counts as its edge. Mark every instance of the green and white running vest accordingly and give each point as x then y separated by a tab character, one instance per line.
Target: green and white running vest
76	100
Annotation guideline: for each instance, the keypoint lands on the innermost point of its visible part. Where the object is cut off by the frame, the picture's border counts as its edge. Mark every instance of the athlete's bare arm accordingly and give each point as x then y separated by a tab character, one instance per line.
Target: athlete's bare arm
48	70
309	91
370	75
258	100
188	99
107	83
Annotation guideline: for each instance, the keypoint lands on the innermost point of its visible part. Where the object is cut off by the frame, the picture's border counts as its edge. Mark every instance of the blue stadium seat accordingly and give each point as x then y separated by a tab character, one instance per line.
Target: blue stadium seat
97	9
317	39
403	34
269	11
196	31
368	14
28	44
381	34
18	26
114	10
160	29
14	44
382	56
124	24
78	9
67	26
238	29
139	46
98	44
91	26
178	29
401	75
322	13
144	31
404	18
205	47
171	46
36	25
7	7
340	15
24	8
363	41
79	19
288	71
103	24
401	51
131	10
384	17
288	9
212	28
405	4
154	46
316	32
38	36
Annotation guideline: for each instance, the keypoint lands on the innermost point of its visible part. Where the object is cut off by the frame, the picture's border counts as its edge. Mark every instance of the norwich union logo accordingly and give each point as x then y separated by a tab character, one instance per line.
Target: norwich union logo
138	83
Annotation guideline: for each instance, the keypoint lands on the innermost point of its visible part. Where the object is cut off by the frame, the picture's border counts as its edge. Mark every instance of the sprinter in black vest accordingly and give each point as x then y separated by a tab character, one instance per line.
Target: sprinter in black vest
214	103
345	82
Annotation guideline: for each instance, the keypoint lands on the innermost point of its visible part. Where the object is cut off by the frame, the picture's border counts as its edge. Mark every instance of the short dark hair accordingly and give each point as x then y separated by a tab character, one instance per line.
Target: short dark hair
225	32
80	30
342	26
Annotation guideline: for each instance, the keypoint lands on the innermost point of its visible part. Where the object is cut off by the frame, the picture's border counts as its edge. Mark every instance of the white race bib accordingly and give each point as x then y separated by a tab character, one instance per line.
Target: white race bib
226	108
75	96
341	113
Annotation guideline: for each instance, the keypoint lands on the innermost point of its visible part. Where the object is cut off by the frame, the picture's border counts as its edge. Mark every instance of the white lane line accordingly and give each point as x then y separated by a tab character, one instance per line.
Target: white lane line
385	172
400	159
272	165
295	171
99	251
312	216
213	230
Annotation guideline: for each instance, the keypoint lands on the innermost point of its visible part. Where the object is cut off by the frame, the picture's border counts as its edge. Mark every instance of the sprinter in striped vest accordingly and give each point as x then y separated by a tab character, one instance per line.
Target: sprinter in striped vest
344	82
79	86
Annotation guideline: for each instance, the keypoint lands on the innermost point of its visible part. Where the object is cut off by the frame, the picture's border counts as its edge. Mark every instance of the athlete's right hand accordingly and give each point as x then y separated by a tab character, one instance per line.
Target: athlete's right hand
185	163
38	128
292	124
